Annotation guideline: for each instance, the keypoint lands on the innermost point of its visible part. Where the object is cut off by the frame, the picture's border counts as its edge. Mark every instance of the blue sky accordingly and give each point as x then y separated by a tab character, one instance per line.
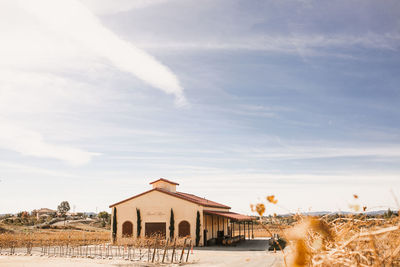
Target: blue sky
235	100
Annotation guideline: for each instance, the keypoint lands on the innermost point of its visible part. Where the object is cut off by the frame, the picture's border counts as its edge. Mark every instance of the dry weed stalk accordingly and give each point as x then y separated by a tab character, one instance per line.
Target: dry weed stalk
352	240
348	242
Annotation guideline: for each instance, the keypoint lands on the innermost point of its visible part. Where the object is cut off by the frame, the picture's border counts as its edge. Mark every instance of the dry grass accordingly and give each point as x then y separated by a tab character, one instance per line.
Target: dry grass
344	242
353	240
53	238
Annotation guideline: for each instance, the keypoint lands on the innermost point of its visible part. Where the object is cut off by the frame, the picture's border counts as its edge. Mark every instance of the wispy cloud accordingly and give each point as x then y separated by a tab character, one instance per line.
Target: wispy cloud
31	143
318	151
304	44
108	7
24	96
72	19
55	56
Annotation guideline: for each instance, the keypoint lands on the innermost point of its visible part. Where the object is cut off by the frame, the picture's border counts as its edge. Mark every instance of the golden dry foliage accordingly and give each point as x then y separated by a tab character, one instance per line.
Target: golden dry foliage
271	199
73	238
352	240
259	208
345	242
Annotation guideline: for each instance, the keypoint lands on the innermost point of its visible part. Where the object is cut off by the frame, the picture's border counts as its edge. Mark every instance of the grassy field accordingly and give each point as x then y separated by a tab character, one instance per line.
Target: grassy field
351	240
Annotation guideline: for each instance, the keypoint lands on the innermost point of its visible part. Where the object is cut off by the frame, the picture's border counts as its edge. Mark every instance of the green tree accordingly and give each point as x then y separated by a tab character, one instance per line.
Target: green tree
114	225
171	225
104	215
139	222
389	213
198	228
63	208
23	215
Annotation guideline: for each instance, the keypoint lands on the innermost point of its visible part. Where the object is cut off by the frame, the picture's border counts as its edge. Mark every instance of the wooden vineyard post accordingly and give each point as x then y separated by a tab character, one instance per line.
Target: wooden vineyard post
148	252
190	247
165	250
183	250
173	252
154	251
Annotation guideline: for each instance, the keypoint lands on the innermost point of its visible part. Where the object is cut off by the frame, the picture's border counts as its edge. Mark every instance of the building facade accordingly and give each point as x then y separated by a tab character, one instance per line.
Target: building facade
154	208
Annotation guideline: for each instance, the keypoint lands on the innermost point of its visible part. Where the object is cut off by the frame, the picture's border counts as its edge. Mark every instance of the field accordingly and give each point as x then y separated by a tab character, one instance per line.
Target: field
62	242
352	240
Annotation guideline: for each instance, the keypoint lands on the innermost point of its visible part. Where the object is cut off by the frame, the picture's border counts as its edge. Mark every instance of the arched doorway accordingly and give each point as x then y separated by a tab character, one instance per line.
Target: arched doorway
184	229
127	229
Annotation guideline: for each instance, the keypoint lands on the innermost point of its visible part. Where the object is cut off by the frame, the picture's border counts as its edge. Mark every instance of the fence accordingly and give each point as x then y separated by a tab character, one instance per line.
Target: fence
146	250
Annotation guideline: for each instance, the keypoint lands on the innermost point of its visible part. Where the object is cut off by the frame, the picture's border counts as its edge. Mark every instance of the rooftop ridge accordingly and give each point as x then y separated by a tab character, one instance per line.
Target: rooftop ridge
164	180
193	198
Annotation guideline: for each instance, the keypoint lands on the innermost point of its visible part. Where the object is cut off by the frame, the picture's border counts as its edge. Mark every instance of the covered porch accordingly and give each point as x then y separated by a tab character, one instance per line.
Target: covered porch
226	228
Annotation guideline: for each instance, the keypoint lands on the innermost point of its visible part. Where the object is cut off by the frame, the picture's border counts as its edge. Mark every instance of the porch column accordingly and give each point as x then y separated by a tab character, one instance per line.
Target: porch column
205	230
212	226
245	230
252	233
239	227
248	229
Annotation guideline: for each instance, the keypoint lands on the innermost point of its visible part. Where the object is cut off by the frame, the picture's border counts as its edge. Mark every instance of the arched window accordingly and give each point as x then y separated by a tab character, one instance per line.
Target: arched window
184	229
127	229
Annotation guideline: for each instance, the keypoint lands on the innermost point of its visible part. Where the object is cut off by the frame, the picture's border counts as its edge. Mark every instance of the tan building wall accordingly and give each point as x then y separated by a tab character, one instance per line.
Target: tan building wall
156	206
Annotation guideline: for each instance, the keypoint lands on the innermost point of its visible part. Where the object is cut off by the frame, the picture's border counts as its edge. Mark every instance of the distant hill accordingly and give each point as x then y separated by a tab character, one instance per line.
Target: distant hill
90	213
322	213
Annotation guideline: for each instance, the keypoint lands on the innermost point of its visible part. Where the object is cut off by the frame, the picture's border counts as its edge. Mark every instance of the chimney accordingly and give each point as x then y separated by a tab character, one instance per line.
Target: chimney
165	185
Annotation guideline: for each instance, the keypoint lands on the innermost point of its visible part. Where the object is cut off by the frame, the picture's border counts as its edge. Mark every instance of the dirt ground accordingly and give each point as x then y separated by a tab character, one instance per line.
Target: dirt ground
200	258
249	253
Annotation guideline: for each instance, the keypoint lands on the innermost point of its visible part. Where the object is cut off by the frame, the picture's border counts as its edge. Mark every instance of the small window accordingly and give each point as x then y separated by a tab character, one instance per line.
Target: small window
127	229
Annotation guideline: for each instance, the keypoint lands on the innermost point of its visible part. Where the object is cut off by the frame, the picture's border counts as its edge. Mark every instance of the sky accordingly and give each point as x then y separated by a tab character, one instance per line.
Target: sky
233	99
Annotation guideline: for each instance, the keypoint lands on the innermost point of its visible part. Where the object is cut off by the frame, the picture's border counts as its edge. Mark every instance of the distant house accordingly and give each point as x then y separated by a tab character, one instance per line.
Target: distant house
216	220
44	213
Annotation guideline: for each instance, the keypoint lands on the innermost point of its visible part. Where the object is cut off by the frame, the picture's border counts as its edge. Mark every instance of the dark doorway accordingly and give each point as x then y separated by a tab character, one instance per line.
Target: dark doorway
158	228
184	229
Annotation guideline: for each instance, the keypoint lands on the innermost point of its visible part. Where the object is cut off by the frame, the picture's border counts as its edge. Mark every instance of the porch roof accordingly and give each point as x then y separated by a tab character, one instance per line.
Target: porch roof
230	215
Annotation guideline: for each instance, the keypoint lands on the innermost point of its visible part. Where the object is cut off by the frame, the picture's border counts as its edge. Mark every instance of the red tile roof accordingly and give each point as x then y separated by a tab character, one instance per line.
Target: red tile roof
188	197
230	215
202	201
164	180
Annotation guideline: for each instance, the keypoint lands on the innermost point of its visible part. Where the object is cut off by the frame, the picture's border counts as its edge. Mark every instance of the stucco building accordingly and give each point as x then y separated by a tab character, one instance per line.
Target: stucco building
154	209
44	213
